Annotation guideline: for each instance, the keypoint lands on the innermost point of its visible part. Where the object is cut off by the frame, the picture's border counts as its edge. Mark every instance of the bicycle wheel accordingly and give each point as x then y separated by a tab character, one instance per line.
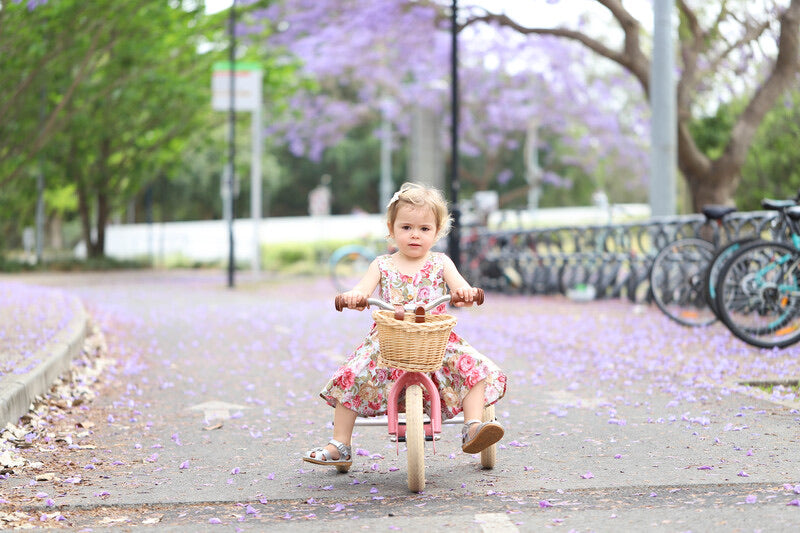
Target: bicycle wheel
758	294
415	439
348	265
721	256
677	278
489	455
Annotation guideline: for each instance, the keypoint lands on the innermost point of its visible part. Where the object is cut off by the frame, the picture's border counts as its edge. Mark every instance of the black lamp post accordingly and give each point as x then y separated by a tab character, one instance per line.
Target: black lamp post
454	243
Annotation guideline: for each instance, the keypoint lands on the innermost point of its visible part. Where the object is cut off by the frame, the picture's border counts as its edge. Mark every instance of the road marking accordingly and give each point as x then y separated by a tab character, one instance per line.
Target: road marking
217	410
495	523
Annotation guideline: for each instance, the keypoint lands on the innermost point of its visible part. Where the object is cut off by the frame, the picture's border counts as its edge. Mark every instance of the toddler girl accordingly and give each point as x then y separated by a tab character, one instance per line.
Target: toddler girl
417	217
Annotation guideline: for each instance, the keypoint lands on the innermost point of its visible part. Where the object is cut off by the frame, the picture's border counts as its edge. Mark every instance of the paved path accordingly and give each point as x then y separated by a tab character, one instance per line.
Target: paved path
617	419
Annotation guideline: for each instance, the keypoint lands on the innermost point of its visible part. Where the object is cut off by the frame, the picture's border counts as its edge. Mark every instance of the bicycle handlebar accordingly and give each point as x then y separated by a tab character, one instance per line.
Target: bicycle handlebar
365	302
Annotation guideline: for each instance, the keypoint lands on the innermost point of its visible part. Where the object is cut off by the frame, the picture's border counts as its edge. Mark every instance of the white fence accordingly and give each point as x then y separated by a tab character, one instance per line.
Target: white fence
208	240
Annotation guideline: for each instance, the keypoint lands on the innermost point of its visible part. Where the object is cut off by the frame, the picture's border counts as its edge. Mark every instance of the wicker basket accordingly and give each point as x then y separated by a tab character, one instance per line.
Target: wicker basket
406	345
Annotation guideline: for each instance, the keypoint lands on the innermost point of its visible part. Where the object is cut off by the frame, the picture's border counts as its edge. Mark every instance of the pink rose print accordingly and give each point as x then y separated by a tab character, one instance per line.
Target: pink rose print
473	378
465	364
346	378
381	375
424	293
396	373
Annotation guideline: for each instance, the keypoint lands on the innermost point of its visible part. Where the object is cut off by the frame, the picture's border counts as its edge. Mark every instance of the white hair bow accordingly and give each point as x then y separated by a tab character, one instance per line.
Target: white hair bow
393	200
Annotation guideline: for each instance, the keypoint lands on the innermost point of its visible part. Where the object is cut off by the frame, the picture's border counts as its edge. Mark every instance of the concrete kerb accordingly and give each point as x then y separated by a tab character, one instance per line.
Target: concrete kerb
16	395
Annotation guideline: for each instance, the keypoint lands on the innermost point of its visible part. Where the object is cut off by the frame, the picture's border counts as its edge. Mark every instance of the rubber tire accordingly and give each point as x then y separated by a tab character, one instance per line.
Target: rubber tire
657	272
726	278
721	256
489	455
415	439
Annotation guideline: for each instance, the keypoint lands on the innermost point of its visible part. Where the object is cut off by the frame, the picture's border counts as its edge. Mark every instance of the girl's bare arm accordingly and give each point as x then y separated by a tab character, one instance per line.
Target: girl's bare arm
457	284
363	288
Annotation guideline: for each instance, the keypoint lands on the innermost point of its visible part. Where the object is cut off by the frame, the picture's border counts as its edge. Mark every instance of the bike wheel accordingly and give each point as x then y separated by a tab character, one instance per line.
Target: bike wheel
677	278
415	439
489	455
758	294
348	265
721	256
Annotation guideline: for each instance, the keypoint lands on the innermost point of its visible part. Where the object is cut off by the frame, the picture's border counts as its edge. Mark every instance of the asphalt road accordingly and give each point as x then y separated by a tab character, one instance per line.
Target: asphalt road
617	420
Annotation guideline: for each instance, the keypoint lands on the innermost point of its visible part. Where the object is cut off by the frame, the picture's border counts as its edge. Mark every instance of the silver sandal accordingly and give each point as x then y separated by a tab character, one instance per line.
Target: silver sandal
488	433
323	456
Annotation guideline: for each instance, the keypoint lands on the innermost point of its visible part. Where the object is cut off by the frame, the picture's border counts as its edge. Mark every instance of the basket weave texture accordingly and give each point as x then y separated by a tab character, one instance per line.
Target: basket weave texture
406	345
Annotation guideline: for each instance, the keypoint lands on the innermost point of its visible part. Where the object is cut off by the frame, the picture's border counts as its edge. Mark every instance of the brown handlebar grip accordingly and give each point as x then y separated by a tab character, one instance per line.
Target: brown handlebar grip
479	297
341	305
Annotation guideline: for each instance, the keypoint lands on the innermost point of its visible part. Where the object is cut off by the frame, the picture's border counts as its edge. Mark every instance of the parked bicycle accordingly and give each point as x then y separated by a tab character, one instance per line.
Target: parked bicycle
758	290
679	276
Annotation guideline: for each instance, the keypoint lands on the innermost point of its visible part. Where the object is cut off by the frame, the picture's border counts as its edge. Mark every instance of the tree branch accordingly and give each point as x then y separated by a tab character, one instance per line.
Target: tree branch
786	67
630	57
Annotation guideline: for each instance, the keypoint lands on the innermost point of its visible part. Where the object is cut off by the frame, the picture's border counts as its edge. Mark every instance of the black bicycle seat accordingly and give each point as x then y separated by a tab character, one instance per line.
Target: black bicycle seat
776	205
716	212
793	212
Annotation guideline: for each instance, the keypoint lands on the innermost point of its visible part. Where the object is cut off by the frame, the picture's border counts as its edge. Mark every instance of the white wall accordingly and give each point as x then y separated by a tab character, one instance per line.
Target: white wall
208	240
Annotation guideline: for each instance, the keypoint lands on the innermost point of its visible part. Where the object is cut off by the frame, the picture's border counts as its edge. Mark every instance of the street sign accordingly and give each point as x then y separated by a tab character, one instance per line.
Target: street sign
247	87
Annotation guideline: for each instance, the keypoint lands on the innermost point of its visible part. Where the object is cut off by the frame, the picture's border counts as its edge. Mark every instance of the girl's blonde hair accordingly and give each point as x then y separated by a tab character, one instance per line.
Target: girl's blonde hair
420	195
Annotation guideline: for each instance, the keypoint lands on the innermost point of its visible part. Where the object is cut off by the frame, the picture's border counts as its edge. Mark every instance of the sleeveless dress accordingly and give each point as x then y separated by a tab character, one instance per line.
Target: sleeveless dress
362	385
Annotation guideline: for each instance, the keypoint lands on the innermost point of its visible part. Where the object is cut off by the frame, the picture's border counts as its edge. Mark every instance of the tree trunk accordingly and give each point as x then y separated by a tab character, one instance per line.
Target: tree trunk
711	188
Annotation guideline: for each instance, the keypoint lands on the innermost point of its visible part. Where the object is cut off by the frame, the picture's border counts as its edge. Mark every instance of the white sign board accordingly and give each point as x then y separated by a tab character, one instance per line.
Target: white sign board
247	87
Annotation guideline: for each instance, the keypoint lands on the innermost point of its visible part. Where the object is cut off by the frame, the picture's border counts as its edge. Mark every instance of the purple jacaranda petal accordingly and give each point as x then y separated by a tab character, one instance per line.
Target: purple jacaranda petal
545	503
373	490
587	475
214	520
271	475
235	471
184	465
338	507
705	467
251	510
743	474
362	452
796	503
751	498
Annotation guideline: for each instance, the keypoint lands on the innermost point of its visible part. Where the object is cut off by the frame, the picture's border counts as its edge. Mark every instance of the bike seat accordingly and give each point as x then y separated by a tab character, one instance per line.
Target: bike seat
793	212
716	212
776	205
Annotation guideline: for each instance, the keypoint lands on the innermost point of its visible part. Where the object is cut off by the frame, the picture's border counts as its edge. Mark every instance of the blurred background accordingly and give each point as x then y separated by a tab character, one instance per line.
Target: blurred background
106	116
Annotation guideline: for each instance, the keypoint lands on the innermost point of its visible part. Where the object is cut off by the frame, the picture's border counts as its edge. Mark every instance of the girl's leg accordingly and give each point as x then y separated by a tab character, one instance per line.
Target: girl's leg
344	420
473	403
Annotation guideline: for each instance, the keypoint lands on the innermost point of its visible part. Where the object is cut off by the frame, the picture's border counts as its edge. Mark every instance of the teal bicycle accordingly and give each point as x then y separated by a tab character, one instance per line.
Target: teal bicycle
758	289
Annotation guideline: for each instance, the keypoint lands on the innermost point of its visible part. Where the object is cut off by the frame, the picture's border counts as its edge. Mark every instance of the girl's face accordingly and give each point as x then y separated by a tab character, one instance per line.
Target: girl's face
414	230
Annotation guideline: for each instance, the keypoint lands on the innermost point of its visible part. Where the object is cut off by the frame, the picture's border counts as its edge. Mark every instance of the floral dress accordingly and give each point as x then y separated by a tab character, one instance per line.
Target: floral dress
362	385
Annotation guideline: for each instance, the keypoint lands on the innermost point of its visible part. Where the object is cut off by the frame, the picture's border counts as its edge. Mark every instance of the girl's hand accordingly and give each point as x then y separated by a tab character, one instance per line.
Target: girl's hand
466	294
353	298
